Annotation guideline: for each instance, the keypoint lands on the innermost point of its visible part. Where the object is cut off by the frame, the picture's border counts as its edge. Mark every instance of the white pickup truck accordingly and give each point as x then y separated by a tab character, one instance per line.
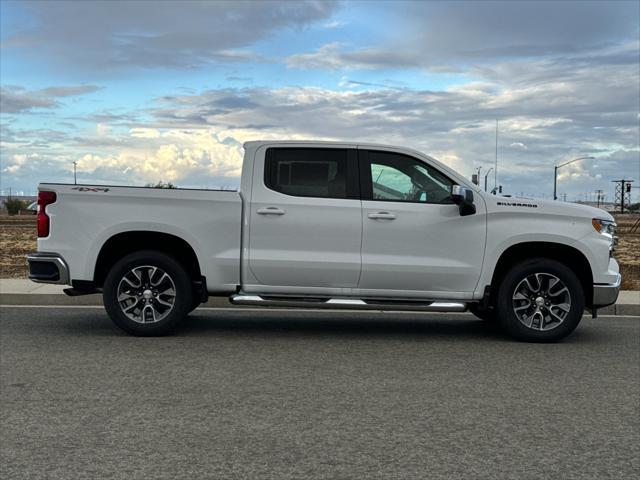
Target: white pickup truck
323	224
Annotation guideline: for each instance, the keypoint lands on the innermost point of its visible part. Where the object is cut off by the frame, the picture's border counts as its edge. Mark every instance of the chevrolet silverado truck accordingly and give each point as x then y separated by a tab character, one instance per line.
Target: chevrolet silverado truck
334	225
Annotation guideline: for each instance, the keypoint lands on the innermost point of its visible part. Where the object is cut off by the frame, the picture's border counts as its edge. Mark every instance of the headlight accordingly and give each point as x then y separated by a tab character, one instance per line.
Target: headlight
607	228
604	226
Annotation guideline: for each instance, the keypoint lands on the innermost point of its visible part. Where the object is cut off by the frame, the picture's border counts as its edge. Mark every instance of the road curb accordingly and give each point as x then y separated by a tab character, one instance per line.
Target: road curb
36	299
84	300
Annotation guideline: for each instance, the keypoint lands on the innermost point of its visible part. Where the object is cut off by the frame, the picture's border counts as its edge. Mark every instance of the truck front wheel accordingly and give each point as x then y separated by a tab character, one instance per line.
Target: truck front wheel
147	293
540	300
488	314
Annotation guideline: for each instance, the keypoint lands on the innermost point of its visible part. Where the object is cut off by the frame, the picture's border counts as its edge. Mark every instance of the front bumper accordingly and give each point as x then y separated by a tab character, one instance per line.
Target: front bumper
606	294
48	268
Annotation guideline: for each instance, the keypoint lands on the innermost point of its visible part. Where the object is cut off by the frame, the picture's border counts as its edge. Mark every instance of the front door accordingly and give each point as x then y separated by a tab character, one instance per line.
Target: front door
305	219
415	243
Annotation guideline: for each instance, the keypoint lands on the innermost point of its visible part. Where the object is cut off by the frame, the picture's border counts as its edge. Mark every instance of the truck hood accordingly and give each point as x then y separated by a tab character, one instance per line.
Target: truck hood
545	207
574	209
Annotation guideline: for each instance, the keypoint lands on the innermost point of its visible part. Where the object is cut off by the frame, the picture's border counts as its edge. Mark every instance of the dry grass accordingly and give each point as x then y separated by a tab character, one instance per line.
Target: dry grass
18	237
628	252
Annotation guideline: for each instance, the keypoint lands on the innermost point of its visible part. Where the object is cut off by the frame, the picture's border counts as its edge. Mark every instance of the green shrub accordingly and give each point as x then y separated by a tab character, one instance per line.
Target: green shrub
14	205
161	184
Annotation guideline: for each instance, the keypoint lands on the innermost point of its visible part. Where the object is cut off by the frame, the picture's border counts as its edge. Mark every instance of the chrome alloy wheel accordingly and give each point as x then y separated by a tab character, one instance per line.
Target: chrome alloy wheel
541	301
146	294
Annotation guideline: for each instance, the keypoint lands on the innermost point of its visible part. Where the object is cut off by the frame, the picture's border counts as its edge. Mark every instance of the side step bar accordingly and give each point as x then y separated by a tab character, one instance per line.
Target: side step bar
346	303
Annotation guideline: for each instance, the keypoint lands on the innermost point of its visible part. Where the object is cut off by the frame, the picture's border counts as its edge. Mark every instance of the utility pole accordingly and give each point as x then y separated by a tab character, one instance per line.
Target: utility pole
599	196
485	178
75	180
623	192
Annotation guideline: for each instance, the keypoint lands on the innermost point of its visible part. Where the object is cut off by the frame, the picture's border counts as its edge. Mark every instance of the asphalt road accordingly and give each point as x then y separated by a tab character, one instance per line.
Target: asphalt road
291	395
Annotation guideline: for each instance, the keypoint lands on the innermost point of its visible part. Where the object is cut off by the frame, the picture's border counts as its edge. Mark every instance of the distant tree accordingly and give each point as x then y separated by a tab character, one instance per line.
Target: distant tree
634	207
161	184
14	205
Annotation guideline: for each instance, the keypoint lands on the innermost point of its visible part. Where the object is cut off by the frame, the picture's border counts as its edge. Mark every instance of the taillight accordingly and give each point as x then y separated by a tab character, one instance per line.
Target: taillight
44	199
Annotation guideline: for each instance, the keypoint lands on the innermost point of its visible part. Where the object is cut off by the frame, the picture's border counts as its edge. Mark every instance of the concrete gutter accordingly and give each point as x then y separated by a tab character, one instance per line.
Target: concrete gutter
26	292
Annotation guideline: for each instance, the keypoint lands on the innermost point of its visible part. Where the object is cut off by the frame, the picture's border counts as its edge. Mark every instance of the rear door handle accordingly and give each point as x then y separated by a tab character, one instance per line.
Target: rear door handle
382	216
270	211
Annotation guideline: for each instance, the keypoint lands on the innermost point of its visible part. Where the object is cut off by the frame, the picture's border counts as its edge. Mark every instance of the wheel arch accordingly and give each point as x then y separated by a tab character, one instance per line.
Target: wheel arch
569	256
123	243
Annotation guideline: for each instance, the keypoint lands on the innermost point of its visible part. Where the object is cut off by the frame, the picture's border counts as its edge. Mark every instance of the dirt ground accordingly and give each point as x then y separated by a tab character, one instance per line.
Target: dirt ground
18	237
628	251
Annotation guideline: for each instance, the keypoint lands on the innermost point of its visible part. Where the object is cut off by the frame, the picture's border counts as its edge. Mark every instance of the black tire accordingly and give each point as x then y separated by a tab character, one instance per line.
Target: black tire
195	302
180	285
487	314
548	326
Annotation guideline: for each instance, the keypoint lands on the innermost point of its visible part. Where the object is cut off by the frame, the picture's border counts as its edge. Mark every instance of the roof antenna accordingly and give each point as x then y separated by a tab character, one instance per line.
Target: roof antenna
495	172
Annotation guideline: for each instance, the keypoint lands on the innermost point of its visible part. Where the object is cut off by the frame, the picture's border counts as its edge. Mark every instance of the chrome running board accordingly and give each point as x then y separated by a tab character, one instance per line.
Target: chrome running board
346	303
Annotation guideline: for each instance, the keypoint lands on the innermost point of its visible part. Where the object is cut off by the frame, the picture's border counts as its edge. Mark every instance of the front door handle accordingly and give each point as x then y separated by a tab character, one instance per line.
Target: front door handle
270	211
382	216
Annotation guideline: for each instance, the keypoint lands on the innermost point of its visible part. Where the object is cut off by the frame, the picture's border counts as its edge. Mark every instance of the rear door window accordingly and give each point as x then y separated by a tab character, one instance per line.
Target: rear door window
312	172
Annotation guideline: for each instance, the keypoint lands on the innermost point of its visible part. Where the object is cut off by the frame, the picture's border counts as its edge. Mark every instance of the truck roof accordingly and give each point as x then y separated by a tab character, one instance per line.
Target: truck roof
255	144
259	143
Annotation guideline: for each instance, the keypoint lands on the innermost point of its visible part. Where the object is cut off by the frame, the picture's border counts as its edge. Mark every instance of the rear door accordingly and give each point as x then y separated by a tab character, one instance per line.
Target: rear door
305	219
415	243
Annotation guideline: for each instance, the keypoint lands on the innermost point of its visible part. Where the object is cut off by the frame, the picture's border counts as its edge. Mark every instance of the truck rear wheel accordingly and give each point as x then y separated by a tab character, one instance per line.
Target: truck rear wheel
147	293
540	300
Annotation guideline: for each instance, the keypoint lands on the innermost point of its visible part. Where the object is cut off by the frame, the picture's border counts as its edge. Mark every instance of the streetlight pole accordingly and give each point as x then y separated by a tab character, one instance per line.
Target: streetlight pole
75	181
485	178
555	173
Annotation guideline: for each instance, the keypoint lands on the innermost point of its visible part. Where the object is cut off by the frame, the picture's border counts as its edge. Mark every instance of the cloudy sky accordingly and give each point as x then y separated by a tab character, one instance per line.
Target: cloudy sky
138	92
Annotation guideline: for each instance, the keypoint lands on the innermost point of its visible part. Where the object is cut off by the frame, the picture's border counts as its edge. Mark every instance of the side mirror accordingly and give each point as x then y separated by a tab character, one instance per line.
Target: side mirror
463	197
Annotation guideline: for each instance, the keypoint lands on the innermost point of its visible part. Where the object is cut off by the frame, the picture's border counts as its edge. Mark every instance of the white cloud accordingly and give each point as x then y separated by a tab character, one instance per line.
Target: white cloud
335	24
145	132
16	162
102	129
175	156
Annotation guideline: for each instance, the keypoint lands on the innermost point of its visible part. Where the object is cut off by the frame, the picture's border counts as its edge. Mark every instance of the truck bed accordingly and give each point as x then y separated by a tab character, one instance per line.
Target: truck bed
84	217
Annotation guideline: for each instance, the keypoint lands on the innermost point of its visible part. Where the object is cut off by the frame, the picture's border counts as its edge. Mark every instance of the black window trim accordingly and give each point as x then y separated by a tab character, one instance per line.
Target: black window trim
352	172
366	185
